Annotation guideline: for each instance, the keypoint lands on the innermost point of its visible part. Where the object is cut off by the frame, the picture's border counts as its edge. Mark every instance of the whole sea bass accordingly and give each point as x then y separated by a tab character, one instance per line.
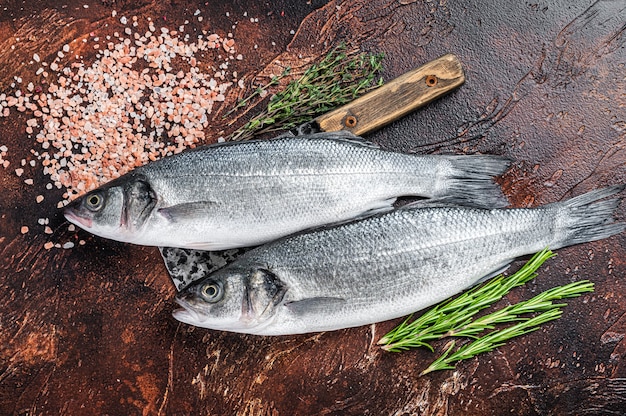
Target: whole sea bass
248	193
384	266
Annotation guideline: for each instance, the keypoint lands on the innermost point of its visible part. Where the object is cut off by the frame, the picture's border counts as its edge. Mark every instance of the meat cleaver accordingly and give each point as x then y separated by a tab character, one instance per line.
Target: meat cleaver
367	113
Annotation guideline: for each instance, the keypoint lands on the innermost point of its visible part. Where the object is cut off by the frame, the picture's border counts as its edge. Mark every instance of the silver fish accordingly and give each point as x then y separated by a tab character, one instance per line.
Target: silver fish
245	194
385	266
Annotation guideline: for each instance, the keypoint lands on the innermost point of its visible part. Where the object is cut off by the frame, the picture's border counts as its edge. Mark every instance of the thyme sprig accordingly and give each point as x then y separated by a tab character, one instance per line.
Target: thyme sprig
340	77
455	317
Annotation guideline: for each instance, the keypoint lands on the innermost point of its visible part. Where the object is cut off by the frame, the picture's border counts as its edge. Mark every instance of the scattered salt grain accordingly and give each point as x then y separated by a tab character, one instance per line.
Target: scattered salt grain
68	245
71	227
39	198
24	229
48	245
19	171
138	101
36	58
28	181
47	230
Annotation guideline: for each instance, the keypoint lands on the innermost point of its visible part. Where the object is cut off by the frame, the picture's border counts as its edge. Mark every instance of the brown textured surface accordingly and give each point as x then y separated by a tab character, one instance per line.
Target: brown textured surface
89	331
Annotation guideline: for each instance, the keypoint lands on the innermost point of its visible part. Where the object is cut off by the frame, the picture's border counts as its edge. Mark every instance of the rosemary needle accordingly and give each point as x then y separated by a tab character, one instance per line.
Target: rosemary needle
490	341
454	318
457	312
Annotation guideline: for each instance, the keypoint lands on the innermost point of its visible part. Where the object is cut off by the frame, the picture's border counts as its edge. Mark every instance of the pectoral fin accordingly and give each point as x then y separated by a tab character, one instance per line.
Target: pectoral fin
314	305
186	211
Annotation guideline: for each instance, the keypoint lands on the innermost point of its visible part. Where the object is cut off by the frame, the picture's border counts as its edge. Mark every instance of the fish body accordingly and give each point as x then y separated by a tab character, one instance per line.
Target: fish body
384	266
245	194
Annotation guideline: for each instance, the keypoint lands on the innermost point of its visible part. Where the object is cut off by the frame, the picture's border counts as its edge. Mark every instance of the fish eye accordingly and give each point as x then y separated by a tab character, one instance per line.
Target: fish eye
212	292
94	202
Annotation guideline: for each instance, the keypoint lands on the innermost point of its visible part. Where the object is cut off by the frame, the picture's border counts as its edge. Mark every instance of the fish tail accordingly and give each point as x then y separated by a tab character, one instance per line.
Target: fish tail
470	181
585	218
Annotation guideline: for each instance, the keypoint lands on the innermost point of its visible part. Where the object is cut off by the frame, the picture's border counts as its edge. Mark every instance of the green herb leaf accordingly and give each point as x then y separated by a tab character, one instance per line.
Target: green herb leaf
338	79
491	341
454	318
457	312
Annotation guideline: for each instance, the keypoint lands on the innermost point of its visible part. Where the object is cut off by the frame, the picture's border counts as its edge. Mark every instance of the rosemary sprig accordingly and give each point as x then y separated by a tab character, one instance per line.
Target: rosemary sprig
541	302
338	79
458	312
454	318
490	341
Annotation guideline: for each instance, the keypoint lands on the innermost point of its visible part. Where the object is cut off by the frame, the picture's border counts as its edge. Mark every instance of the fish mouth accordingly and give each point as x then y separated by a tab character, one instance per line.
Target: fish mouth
186	313
72	216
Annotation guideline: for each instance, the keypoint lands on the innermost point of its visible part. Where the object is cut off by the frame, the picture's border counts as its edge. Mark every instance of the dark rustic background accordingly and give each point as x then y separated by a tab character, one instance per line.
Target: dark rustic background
89	330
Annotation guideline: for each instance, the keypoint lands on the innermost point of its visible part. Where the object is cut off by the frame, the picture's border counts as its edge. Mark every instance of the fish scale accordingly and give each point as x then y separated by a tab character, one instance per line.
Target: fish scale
389	265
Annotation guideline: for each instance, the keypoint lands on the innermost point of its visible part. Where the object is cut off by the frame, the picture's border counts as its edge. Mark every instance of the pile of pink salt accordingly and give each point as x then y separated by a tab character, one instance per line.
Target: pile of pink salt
144	97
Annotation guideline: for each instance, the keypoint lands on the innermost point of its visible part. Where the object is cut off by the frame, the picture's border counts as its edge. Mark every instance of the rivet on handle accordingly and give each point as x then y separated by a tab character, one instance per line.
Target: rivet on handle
431	80
350	122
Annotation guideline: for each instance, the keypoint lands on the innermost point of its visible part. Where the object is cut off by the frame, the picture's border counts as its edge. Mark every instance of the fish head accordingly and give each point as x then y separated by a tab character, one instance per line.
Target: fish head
237	300
115	210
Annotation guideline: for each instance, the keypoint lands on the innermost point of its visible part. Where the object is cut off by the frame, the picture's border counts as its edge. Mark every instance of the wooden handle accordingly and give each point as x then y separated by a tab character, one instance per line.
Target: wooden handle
396	98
